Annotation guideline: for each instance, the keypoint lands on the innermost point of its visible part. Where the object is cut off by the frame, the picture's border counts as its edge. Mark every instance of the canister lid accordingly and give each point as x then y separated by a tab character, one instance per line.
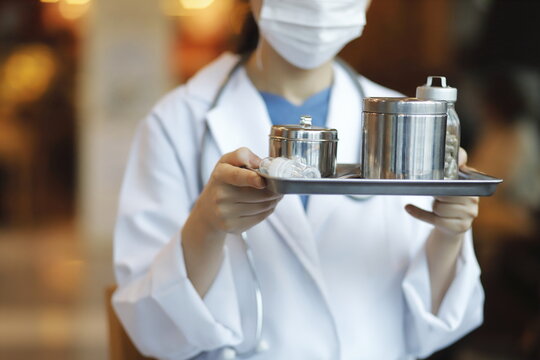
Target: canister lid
407	106
303	131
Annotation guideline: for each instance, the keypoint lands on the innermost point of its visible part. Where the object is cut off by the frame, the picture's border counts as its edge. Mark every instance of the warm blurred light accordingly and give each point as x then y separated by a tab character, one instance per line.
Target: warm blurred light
210	23
62	276
195	4
71	2
77	2
74	9
27	73
53	327
186	7
71	9
172	8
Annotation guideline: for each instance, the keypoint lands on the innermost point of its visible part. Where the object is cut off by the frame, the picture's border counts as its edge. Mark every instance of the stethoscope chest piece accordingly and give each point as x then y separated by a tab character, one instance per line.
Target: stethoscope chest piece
229	353
262	346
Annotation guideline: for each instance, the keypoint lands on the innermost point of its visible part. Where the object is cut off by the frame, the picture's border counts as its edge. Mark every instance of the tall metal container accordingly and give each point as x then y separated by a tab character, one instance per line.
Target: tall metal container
403	138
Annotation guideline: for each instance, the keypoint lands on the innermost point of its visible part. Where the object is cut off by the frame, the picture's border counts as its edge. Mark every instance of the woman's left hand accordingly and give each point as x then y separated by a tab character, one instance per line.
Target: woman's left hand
451	215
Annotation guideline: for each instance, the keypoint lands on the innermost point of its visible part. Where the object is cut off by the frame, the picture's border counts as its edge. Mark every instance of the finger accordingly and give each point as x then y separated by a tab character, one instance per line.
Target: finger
251	195
229	212
241	157
463	157
449	225
455	211
465	200
448	210
421	214
251	209
248	222
233	194
453	226
236	176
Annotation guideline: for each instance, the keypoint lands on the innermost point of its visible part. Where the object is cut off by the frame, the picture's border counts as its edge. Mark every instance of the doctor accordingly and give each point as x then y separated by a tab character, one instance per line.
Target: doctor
384	278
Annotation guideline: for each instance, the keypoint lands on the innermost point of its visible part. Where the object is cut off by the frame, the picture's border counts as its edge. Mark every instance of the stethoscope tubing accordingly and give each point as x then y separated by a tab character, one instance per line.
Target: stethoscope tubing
256	347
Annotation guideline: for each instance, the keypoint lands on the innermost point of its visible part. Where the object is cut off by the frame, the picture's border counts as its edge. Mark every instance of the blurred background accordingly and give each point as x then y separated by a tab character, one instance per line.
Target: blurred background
76	77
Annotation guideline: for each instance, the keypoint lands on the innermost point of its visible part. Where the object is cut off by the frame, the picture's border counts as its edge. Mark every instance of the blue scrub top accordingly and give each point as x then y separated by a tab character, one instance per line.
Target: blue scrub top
282	112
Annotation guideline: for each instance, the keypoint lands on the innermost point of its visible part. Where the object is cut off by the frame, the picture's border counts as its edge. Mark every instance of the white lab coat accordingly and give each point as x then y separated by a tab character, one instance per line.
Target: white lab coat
346	280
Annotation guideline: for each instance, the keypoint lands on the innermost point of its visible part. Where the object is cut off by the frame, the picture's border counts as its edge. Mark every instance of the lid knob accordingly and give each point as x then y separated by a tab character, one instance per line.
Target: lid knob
436	88
306	120
442	80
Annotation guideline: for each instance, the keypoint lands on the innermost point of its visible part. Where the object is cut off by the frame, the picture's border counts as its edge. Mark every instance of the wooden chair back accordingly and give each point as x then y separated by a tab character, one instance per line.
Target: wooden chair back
120	345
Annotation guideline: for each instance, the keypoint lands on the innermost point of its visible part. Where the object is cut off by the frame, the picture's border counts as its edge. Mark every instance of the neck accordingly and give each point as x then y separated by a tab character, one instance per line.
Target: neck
269	72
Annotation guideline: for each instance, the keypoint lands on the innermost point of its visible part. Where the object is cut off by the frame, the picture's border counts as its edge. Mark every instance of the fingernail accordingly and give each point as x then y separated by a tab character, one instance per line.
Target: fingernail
255	162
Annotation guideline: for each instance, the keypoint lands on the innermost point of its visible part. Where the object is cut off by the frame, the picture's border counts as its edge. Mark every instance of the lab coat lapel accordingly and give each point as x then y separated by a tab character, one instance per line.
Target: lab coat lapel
241	119
344	115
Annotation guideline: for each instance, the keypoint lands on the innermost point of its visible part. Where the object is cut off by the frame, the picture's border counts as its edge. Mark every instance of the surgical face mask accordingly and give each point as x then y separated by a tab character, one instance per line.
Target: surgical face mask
308	33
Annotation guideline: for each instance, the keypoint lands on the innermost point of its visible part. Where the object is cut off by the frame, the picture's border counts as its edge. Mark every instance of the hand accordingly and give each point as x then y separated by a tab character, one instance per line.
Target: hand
451	215
235	199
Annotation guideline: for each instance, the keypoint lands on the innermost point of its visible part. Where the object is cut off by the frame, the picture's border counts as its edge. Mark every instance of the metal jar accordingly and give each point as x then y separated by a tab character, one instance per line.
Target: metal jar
403	138
315	146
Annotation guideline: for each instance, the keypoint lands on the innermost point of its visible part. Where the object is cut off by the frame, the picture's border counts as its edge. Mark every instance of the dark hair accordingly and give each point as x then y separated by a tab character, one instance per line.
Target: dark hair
501	91
249	35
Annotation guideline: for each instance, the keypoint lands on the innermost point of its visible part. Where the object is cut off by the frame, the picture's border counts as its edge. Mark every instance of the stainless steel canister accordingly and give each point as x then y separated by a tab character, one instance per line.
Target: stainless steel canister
316	146
403	138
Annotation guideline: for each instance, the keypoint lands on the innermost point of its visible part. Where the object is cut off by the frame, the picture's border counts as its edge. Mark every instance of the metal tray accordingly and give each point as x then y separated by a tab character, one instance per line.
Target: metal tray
349	182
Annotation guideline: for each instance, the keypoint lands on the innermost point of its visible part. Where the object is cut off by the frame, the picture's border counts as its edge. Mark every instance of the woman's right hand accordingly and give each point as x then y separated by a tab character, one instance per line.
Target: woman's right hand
235	198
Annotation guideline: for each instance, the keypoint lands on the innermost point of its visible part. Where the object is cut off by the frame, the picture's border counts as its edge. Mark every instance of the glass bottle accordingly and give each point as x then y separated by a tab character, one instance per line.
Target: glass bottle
451	155
429	91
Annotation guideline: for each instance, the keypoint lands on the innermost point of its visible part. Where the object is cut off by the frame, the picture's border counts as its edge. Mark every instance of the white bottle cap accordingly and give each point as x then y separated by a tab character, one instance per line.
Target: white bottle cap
442	92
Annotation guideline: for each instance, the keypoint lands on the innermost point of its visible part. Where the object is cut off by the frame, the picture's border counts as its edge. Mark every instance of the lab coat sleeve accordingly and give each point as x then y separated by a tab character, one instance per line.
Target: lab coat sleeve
460	312
155	301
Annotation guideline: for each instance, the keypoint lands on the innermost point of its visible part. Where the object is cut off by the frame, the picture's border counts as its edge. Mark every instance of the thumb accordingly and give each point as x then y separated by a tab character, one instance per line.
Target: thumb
463	157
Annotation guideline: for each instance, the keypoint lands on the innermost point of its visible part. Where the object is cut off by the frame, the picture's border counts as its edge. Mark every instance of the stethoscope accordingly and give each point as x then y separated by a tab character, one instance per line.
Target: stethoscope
259	344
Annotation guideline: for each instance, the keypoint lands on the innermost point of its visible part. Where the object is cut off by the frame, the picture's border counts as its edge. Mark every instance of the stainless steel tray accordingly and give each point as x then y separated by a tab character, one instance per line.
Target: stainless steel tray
349	182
